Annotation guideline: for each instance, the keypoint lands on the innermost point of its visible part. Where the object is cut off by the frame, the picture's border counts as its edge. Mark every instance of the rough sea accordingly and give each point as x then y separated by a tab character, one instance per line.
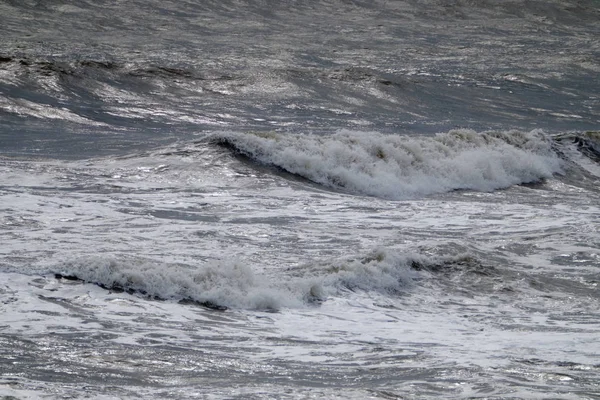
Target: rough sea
328	199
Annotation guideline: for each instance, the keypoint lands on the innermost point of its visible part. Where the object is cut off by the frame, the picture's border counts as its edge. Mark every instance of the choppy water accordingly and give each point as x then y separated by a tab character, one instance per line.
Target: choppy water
325	199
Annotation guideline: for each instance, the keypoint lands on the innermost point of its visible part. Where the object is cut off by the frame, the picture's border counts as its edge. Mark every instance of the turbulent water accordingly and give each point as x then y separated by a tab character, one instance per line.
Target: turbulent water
300	199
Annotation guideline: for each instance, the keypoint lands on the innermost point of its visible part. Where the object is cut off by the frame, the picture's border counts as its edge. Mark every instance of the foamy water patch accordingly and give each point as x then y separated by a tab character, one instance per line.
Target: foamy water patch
401	167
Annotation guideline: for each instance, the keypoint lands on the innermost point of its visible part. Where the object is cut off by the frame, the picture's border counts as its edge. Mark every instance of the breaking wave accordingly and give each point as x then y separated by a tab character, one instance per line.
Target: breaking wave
403	167
232	284
220	285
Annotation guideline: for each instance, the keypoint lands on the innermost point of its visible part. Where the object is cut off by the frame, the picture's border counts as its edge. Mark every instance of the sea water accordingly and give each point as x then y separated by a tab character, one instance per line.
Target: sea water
300	199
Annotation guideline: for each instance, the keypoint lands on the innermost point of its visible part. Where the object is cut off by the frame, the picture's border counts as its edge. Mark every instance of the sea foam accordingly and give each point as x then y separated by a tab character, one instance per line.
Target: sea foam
404	167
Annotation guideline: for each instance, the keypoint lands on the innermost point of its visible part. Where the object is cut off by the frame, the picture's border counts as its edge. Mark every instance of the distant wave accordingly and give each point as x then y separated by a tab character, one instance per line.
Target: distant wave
403	167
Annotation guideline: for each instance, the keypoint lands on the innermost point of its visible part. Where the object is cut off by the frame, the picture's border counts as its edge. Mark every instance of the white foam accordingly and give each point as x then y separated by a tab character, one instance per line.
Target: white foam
401	167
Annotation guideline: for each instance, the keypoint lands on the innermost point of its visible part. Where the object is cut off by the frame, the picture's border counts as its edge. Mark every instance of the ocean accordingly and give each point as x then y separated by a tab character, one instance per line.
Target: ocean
328	199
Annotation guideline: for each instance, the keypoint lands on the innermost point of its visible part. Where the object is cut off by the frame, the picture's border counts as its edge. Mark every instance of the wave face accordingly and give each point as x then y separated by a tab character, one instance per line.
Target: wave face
402	167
